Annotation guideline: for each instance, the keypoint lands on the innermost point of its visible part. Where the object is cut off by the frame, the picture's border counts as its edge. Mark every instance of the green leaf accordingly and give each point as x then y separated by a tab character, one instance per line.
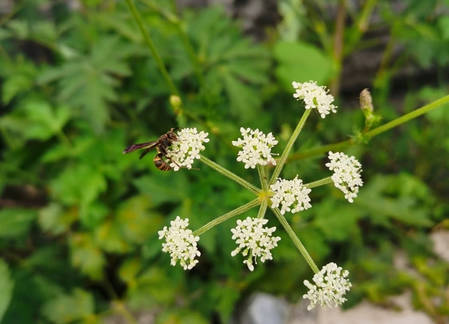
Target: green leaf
88	82
86	255
35	119
78	185
301	62
55	219
337	222
395	197
6	288
69	308
15	222
135	221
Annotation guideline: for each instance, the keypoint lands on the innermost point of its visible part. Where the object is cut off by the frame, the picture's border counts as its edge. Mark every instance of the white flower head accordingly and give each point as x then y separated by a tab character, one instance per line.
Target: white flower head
315	96
291	195
256	148
329	288
254	240
187	148
346	175
180	243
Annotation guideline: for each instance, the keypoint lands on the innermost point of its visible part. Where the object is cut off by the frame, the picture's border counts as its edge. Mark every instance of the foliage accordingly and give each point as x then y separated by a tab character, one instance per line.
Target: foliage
79	220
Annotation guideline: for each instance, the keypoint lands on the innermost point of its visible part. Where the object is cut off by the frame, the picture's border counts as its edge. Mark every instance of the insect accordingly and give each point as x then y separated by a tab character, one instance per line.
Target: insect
161	146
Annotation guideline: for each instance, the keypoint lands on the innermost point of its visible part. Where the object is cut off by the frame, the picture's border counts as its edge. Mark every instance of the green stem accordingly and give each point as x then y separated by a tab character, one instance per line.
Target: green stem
180	27
262	209
295	239
229	174
262	176
338	46
280	163
374	132
318	183
146	36
225	217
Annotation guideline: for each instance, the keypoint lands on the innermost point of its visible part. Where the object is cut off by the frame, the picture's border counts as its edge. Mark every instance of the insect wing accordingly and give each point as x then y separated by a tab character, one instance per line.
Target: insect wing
134	147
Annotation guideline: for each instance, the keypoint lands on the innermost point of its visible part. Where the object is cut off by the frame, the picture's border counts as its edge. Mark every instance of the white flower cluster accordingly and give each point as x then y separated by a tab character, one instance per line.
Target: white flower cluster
180	243
346	175
254	240
256	148
315	96
291	195
187	148
330	286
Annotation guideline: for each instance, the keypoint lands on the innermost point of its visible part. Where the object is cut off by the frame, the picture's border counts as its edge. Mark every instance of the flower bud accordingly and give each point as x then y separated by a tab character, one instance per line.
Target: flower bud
175	102
366	102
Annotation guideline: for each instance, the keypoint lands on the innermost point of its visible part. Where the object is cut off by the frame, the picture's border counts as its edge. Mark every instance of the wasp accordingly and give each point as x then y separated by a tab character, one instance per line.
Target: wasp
161	145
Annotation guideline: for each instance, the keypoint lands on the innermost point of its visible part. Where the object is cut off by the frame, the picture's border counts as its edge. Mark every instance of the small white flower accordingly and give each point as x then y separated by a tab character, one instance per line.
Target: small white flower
254	240
330	287
180	243
346	175
187	148
291	195
256	148
315	96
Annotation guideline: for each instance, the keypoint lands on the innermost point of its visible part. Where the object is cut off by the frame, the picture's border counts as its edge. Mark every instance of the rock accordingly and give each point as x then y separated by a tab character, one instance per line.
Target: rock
365	313
440	241
264	309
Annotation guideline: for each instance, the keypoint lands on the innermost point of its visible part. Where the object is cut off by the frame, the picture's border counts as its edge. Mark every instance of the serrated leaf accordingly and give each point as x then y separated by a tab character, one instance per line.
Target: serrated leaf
88	82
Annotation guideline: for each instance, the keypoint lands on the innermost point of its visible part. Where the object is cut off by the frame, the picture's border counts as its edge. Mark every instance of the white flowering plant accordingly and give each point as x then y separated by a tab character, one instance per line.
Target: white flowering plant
255	240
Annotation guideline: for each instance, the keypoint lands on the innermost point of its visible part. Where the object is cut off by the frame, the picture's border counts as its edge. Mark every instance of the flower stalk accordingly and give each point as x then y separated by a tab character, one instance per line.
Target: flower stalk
295	239
149	42
280	163
229	174
262	209
318	183
374	132
240	210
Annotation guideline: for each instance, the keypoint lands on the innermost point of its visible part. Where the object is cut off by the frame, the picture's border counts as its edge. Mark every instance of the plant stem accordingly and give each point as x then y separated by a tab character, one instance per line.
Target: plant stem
180	27
229	174
318	183
262	209
262	176
225	217
295	239
146	36
374	132
280	163
338	46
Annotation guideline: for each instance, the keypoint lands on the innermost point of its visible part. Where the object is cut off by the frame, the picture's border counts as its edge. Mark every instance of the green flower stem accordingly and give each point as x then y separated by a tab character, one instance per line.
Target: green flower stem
225	217
374	132
262	209
295	240
180	27
146	36
229	174
318	183
262	176
280	163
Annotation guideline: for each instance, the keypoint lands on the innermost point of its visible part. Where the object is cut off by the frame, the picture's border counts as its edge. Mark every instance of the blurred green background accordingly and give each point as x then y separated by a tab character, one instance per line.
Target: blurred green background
79	220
